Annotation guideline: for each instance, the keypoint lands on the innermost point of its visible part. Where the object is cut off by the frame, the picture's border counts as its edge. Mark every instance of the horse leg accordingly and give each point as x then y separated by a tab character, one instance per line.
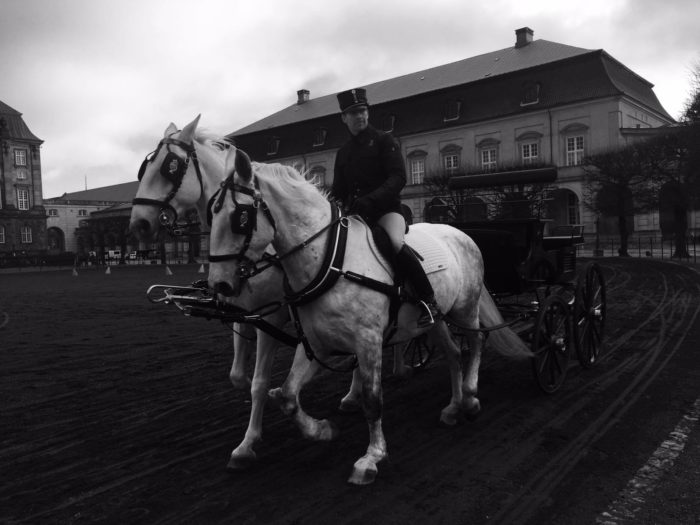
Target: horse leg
243	341
365	470
244	454
440	334
471	404
351	401
287	398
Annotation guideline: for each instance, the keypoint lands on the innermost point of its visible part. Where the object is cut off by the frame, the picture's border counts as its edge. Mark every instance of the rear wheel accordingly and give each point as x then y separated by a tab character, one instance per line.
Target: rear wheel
589	315
551	343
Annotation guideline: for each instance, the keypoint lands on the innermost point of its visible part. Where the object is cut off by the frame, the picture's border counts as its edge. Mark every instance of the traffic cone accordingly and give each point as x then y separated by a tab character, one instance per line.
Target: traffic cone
75	272
167	271
108	271
201	269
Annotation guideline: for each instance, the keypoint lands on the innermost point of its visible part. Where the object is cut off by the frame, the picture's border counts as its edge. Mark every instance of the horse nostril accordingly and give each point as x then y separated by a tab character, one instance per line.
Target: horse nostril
223	288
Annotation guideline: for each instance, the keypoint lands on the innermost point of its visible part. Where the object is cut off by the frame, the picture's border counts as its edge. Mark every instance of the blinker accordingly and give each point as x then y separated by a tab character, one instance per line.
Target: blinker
243	218
173	168
166	217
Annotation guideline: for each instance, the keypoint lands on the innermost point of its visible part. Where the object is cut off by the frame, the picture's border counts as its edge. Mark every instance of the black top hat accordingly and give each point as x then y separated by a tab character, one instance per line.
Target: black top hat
352	98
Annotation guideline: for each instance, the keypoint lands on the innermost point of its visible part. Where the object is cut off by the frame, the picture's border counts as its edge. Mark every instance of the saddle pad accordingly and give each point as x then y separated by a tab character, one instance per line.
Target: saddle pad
434	257
433	254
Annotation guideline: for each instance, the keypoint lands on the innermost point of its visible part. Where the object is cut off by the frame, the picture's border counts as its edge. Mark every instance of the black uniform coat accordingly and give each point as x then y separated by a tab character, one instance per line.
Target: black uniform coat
369	168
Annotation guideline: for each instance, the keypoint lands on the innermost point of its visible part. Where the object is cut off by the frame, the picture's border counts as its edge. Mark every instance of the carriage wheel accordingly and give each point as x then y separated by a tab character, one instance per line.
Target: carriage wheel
589	315
551	343
417	352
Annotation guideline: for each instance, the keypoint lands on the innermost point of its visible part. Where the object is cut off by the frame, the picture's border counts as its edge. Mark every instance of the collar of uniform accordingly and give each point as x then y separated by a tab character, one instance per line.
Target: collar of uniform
365	136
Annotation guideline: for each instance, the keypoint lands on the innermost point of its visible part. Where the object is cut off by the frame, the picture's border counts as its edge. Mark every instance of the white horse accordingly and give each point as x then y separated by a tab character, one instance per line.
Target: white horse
349	316
163	196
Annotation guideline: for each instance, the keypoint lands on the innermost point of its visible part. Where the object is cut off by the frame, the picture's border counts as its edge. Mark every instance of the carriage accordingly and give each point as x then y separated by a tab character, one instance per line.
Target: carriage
334	309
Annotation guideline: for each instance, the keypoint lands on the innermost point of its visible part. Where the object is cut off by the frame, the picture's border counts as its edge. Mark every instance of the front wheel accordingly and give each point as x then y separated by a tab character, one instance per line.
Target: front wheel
551	343
589	315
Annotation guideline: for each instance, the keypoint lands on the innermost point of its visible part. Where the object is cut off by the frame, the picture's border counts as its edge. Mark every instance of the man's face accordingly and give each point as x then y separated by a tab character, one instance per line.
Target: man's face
356	119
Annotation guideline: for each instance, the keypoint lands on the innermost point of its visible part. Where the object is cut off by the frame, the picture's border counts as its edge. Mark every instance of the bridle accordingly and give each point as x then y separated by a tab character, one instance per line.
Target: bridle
173	169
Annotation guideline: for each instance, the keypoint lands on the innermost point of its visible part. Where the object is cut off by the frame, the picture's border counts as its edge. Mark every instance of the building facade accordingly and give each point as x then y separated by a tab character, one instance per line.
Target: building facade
22	215
537	103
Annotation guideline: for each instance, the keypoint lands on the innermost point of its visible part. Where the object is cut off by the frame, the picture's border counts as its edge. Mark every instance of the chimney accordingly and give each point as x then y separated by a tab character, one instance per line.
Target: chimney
302	96
523	36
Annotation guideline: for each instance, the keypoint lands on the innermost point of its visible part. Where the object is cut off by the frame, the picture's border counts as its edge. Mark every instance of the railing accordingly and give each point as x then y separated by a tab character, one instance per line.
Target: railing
641	246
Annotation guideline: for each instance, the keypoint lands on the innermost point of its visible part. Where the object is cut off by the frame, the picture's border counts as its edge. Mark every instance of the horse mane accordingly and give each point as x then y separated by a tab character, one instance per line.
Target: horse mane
294	183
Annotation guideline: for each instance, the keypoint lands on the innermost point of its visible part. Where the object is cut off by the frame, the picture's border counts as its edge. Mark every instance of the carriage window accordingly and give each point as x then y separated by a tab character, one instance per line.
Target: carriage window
22	199
574	150
26	234
417	170
530	152
20	157
489	159
320	137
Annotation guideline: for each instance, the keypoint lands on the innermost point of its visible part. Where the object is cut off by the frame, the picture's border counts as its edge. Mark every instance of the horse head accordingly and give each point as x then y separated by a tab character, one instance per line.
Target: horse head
170	183
239	231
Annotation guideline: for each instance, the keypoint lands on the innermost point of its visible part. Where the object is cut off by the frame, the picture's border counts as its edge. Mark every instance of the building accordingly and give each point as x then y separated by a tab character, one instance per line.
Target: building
534	104
22	215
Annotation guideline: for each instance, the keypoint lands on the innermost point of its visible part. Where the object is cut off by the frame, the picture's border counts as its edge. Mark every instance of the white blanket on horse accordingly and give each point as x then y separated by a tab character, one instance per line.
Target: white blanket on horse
432	253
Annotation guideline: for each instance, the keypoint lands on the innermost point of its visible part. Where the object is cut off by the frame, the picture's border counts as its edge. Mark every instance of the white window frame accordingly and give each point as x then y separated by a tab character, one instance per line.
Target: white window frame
530	152
53	212
20	157
417	169
2	234
25	234
22	199
575	150
21	175
82	213
489	158
450	162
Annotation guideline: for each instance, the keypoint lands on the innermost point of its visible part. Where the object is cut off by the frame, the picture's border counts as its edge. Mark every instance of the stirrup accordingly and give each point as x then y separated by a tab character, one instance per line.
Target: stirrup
427	317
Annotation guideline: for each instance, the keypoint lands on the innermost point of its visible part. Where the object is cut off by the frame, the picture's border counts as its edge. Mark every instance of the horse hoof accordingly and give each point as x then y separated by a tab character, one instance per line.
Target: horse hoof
472	410
448	417
349	406
363	476
238	463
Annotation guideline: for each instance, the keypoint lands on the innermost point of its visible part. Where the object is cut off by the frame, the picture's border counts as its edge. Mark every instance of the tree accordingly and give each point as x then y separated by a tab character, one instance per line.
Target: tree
619	183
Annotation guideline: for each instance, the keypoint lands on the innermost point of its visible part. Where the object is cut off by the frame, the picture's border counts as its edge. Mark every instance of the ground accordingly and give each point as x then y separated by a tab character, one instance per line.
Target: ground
115	410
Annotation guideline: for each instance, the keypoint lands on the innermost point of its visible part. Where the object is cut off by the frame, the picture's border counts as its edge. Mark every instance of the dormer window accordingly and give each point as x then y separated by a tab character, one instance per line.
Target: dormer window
452	110
530	94
388	122
320	136
273	145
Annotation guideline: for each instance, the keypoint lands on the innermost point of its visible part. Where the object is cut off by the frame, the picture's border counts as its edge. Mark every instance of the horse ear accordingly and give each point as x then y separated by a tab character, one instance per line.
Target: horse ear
188	131
243	166
172	128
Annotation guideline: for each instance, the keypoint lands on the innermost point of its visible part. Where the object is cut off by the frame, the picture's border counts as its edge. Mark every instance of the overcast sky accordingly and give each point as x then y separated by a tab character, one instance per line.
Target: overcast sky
99	80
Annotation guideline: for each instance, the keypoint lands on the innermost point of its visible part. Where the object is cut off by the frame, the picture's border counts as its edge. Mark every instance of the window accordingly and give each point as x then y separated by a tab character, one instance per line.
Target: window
82	213
417	168
530	151
273	145
320	137
574	150
572	209
489	158
451	158
2	235
452	110
20	157
21	175
26	234
22	199
530	94
388	122
451	162
53	212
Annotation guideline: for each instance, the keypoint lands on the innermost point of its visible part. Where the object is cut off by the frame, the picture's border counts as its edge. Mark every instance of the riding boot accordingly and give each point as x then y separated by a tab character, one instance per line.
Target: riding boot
412	269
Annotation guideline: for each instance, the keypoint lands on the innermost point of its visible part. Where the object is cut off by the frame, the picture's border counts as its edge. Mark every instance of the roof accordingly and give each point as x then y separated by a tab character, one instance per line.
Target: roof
124	192
13	127
488	65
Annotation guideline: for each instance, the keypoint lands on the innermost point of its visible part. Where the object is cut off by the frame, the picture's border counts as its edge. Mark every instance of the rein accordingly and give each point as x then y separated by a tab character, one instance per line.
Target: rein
173	169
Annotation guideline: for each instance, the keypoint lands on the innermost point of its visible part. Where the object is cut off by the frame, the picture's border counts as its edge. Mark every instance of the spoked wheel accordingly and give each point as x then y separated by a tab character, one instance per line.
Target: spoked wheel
551	343
417	352
589	315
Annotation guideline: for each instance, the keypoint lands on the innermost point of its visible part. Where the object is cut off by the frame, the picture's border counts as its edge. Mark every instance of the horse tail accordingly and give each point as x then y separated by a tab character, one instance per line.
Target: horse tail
504	340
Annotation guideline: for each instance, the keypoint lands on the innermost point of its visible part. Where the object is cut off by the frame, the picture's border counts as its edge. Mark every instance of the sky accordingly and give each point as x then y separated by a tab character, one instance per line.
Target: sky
99	81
